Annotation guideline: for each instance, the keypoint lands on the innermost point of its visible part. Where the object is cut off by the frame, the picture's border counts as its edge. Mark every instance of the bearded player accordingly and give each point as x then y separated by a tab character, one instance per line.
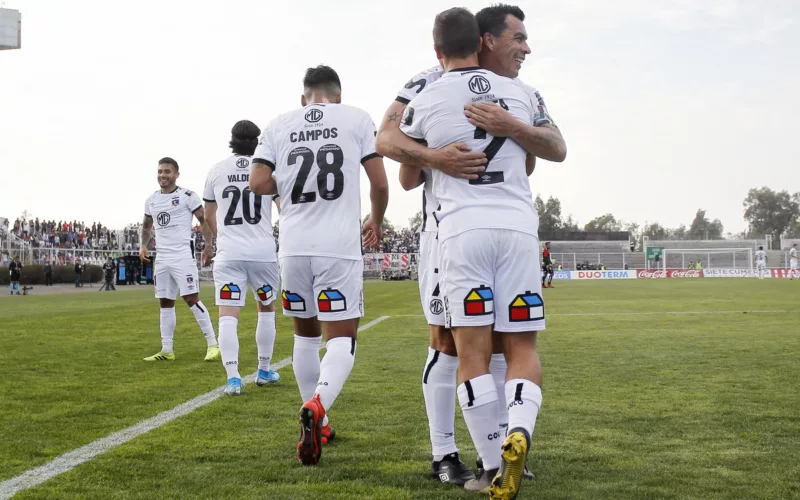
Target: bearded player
313	156
168	212
242	224
504	49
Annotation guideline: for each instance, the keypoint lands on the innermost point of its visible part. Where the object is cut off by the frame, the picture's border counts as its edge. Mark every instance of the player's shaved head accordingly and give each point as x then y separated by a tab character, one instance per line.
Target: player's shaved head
493	19
168	161
322	79
244	138
456	33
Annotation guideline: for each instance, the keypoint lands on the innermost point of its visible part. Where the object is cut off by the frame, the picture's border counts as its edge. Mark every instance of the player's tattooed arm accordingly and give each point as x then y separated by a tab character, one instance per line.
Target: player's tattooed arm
456	160
544	141
146	236
261	180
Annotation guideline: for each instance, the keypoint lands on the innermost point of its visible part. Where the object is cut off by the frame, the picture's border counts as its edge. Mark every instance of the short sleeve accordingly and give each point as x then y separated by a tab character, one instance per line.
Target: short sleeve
194	201
541	116
417	83
147	207
208	190
368	134
265	151
412	123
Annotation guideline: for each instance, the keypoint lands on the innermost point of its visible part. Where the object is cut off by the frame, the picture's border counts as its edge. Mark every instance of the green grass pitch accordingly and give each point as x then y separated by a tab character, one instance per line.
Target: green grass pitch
639	402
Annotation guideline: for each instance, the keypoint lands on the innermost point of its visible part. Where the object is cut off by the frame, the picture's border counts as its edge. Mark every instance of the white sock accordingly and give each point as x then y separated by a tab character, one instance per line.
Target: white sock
524	398
478	398
498	368
204	320
167	324
229	345
336	366
265	338
439	390
305	362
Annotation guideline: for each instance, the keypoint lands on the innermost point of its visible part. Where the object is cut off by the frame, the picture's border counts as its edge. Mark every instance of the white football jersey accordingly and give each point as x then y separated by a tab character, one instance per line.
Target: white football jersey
244	220
501	196
424	78
172	215
793	253
761	256
317	152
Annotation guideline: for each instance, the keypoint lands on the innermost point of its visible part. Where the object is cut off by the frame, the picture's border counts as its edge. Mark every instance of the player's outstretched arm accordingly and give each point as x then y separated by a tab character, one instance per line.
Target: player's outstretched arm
261	180
544	141
379	196
456	160
146	236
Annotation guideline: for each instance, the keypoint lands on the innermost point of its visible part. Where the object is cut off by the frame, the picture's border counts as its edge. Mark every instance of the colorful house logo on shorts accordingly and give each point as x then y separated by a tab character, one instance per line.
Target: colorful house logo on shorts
265	293
230	292
526	307
331	301
479	301
292	301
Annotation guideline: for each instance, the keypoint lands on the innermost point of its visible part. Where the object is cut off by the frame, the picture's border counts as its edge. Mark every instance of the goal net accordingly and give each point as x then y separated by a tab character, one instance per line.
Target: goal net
708	258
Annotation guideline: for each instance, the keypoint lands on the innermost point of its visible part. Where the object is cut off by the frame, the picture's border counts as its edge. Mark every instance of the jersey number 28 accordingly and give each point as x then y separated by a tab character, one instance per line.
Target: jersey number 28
327	166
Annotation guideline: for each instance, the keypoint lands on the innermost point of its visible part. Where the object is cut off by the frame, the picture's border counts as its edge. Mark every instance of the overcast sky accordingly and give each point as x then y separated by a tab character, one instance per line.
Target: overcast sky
667	106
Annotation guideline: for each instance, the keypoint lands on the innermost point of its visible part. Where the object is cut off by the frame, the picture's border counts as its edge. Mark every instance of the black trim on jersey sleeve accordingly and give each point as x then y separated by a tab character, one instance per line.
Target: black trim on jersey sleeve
420	141
148	216
275	196
196	209
402	99
265	162
210	201
370	156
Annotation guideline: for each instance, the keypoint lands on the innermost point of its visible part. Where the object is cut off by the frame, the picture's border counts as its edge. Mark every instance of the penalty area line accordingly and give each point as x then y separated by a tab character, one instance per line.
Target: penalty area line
74	458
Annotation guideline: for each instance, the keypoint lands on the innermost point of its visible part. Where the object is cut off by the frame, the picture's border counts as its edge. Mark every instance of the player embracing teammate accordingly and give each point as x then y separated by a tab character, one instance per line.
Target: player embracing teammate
488	267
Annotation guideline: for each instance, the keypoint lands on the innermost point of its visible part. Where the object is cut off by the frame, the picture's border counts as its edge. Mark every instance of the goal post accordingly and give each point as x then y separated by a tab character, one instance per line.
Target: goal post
709	258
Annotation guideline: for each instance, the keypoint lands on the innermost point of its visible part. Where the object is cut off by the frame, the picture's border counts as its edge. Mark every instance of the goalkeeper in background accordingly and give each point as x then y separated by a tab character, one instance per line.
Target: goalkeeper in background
547	266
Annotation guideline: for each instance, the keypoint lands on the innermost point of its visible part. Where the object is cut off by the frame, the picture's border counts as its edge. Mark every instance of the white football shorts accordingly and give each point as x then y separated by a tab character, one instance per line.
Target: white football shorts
492	276
793	264
761	265
327	287
173	276
232	278
429	291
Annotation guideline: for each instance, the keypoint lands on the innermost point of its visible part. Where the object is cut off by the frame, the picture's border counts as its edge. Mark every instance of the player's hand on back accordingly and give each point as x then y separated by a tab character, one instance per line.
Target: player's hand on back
459	161
143	254
371	231
492	118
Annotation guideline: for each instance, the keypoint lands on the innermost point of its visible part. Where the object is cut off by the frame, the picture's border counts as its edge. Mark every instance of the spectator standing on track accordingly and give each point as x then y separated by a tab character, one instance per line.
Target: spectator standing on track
48	274
78	273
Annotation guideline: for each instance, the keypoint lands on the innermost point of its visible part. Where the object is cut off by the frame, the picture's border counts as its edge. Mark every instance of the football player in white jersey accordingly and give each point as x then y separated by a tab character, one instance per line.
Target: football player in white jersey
793	262
488	233
761	263
246	256
313	157
504	45
172	209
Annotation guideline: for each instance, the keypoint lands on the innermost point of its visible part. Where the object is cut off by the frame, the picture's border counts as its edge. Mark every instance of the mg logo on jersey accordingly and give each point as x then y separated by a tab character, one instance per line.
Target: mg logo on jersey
479	84
242	163
162	219
314	115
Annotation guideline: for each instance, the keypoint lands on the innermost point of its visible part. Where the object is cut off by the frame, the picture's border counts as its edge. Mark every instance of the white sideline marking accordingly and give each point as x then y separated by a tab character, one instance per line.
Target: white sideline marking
644	313
74	458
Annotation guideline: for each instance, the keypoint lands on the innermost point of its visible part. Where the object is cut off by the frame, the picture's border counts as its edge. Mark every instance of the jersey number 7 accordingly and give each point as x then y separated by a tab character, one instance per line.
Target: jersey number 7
491	150
326	167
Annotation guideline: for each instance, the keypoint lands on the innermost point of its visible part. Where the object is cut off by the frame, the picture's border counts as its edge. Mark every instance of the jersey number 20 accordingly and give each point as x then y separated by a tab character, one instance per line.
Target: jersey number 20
327	167
251	217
